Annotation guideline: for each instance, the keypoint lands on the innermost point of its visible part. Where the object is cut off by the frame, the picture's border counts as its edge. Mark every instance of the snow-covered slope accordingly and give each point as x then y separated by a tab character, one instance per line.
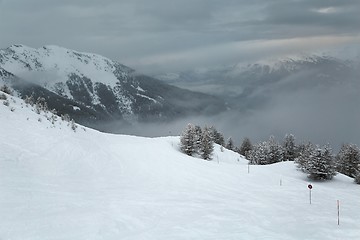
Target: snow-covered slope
56	183
24	60
105	88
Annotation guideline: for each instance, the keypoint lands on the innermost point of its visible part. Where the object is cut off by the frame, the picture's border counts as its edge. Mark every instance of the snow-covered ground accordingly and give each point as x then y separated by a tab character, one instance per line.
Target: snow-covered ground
59	184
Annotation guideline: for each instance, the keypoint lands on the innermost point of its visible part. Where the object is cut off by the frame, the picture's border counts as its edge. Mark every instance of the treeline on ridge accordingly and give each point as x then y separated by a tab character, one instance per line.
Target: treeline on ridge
318	162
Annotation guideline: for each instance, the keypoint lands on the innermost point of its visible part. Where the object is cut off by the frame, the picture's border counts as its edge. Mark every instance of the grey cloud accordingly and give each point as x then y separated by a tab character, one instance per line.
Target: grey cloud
344	14
132	31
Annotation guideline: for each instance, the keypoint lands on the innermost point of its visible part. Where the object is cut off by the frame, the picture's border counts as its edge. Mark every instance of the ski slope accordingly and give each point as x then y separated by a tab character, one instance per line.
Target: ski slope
59	184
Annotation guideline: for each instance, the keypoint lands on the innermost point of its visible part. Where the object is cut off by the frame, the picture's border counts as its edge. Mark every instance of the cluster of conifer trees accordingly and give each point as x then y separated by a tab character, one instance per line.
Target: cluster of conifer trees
195	140
318	162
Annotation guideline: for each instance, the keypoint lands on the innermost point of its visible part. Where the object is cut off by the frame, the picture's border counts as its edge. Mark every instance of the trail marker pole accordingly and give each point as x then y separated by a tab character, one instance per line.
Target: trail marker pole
280	182
249	167
310	187
338	211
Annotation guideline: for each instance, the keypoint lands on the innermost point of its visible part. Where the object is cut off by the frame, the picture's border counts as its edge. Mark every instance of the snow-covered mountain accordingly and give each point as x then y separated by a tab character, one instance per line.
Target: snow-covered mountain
57	183
96	87
249	81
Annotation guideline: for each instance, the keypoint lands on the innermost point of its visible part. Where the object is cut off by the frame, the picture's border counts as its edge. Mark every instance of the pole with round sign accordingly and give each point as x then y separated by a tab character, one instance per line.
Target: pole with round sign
310	187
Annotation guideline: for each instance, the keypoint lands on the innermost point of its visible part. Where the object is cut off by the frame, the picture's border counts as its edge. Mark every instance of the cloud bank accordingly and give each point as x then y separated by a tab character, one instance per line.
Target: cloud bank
163	36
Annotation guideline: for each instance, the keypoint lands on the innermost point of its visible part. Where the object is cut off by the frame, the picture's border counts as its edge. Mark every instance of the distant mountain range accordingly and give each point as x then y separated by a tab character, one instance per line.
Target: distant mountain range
93	89
248	86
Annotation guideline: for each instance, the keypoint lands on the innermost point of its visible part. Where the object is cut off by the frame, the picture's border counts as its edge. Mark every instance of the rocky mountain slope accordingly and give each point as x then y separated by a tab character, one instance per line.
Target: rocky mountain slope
94	89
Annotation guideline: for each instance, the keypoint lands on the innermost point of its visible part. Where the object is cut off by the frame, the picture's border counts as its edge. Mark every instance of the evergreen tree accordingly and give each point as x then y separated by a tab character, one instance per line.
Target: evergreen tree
259	155
275	151
348	160
321	165
245	147
357	177
198	137
304	155
216	136
207	146
267	152
289	148
188	140
230	144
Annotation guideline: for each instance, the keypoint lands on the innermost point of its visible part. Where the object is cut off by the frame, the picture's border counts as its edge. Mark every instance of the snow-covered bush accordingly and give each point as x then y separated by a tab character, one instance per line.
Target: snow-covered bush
41	105
6	89
3	96
6	103
29	99
65	117
73	125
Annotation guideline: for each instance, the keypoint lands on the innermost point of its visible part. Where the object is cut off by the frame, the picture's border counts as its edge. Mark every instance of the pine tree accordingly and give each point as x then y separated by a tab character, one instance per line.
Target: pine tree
198	137
266	152
289	148
304	156
188	140
259	155
230	144
321	165
216	136
245	147
348	160
275	151
207	146
357	177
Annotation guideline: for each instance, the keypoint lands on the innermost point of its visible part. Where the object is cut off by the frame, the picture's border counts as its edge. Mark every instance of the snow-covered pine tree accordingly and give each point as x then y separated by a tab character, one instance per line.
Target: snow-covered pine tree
275	151
245	147
348	160
216	136
230	144
357	177
188	140
321	165
259	154
207	144
289	148
305	152
198	137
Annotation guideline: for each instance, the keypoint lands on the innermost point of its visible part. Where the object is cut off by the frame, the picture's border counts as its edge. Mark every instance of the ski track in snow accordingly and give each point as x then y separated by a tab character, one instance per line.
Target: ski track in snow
59	184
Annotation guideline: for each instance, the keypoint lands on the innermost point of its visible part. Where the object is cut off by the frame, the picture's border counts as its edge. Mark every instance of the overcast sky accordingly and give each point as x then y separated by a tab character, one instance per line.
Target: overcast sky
172	35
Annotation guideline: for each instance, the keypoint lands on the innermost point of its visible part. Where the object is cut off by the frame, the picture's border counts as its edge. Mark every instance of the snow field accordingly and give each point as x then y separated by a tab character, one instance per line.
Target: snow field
59	184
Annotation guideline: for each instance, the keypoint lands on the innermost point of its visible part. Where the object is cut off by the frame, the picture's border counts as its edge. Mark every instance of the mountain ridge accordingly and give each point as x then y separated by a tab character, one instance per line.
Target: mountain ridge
111	90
